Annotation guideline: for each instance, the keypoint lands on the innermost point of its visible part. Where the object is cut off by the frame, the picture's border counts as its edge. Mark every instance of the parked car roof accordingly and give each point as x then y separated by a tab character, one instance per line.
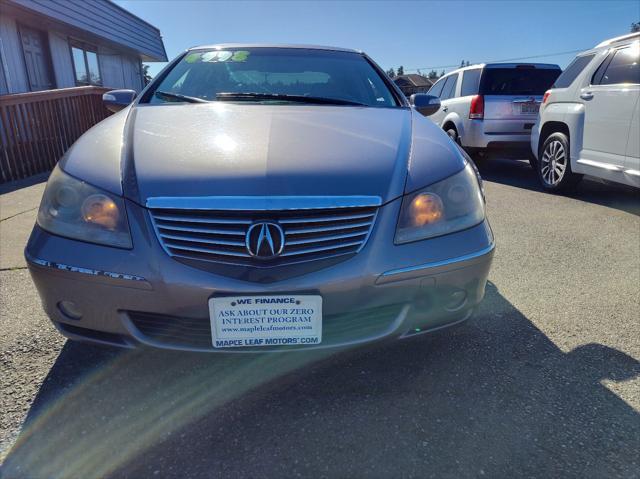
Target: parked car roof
273	45
504	65
618	39
513	65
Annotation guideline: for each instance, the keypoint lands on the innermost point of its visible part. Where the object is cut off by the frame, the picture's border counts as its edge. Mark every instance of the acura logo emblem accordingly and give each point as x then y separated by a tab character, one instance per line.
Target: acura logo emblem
265	240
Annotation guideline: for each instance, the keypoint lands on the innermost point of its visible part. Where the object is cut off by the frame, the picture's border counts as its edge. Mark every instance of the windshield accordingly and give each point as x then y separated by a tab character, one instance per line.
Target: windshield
517	81
273	75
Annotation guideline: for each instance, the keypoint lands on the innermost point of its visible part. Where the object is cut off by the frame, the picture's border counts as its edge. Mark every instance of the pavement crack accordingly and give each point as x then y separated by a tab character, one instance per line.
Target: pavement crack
18	214
13	268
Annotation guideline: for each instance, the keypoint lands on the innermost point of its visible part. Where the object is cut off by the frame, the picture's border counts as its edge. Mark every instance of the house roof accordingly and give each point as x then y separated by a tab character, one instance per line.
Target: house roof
103	19
412	79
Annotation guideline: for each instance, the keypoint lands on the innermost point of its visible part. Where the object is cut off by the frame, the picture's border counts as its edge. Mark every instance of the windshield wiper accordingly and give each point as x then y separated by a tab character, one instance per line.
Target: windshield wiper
281	96
165	95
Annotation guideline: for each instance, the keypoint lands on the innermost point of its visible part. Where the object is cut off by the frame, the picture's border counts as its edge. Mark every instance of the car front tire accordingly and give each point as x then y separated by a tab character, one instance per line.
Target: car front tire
453	134
554	164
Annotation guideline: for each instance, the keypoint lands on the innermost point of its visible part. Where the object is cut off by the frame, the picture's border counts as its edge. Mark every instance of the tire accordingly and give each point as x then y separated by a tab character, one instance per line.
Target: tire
533	161
476	154
453	134
554	165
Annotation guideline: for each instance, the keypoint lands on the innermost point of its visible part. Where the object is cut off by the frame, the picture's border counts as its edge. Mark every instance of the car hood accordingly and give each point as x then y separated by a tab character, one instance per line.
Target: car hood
231	149
226	149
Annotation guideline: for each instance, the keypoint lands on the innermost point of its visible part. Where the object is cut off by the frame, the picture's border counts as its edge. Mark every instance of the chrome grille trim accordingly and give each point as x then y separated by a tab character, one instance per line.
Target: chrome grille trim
205	250
320	248
262	203
218	235
325	228
296	261
202	220
195	239
202	230
330	218
326	238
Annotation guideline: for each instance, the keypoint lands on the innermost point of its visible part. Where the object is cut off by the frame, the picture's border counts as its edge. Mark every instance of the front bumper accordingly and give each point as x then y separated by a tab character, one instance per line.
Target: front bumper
144	297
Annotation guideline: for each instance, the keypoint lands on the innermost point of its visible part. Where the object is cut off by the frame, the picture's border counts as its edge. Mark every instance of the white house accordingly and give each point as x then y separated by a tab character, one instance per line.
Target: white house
50	44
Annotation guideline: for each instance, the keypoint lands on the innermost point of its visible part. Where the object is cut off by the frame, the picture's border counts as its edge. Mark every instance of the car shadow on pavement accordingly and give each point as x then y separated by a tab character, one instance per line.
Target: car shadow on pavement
24	183
494	397
519	173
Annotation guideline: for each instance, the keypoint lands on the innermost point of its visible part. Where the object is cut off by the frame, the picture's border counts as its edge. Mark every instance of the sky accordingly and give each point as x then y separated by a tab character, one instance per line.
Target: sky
420	35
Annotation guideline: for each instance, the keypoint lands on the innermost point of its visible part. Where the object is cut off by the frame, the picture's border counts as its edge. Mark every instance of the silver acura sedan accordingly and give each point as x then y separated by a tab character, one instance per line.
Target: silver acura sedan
260	198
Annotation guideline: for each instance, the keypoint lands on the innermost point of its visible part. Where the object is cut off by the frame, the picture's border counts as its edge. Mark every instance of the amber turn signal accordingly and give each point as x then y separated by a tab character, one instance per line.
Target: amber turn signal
100	210
426	208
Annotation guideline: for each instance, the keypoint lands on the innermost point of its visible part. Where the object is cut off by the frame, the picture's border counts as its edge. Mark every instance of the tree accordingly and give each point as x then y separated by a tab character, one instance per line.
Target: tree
391	72
635	27
400	70
467	63
442	74
433	75
462	64
146	75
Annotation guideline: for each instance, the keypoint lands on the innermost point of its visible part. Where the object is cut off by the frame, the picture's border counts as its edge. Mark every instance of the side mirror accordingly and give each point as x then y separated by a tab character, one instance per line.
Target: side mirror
116	100
425	104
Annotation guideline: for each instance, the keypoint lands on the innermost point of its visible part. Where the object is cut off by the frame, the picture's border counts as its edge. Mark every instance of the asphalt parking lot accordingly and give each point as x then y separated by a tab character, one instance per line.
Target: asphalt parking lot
542	382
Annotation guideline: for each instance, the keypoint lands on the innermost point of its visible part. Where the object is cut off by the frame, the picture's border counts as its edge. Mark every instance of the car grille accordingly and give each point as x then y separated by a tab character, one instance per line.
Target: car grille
336	328
219	235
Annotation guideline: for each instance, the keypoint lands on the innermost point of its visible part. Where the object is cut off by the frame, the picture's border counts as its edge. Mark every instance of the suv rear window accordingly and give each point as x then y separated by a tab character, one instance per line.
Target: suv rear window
573	70
517	81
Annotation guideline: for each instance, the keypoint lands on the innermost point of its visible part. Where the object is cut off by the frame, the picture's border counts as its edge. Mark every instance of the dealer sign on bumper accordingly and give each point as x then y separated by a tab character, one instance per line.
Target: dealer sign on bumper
242	321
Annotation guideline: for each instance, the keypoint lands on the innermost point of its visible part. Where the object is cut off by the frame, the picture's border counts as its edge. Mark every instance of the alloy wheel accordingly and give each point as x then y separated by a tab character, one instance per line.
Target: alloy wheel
554	163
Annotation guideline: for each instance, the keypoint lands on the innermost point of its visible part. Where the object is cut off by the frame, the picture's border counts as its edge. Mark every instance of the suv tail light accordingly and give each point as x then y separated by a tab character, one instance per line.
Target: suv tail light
476	112
546	96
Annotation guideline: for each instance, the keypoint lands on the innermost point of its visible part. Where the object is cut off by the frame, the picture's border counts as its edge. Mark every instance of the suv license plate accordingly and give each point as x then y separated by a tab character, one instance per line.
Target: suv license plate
529	108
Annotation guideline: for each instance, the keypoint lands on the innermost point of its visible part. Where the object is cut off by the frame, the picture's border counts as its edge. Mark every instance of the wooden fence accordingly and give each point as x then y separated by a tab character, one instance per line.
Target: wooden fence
37	128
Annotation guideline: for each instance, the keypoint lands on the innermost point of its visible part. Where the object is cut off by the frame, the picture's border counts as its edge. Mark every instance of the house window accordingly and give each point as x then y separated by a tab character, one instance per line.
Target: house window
85	65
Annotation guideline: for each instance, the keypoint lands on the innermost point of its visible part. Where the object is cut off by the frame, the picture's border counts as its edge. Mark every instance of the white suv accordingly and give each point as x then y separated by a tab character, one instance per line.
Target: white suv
589	122
493	106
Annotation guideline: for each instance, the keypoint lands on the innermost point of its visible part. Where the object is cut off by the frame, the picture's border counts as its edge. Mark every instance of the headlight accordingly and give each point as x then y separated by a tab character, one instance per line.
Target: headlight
445	207
77	210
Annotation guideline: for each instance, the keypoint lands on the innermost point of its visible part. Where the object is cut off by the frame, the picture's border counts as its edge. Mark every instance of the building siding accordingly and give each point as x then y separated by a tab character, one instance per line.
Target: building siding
61	60
3	81
111	68
119	70
16	78
132	73
106	20
120	64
